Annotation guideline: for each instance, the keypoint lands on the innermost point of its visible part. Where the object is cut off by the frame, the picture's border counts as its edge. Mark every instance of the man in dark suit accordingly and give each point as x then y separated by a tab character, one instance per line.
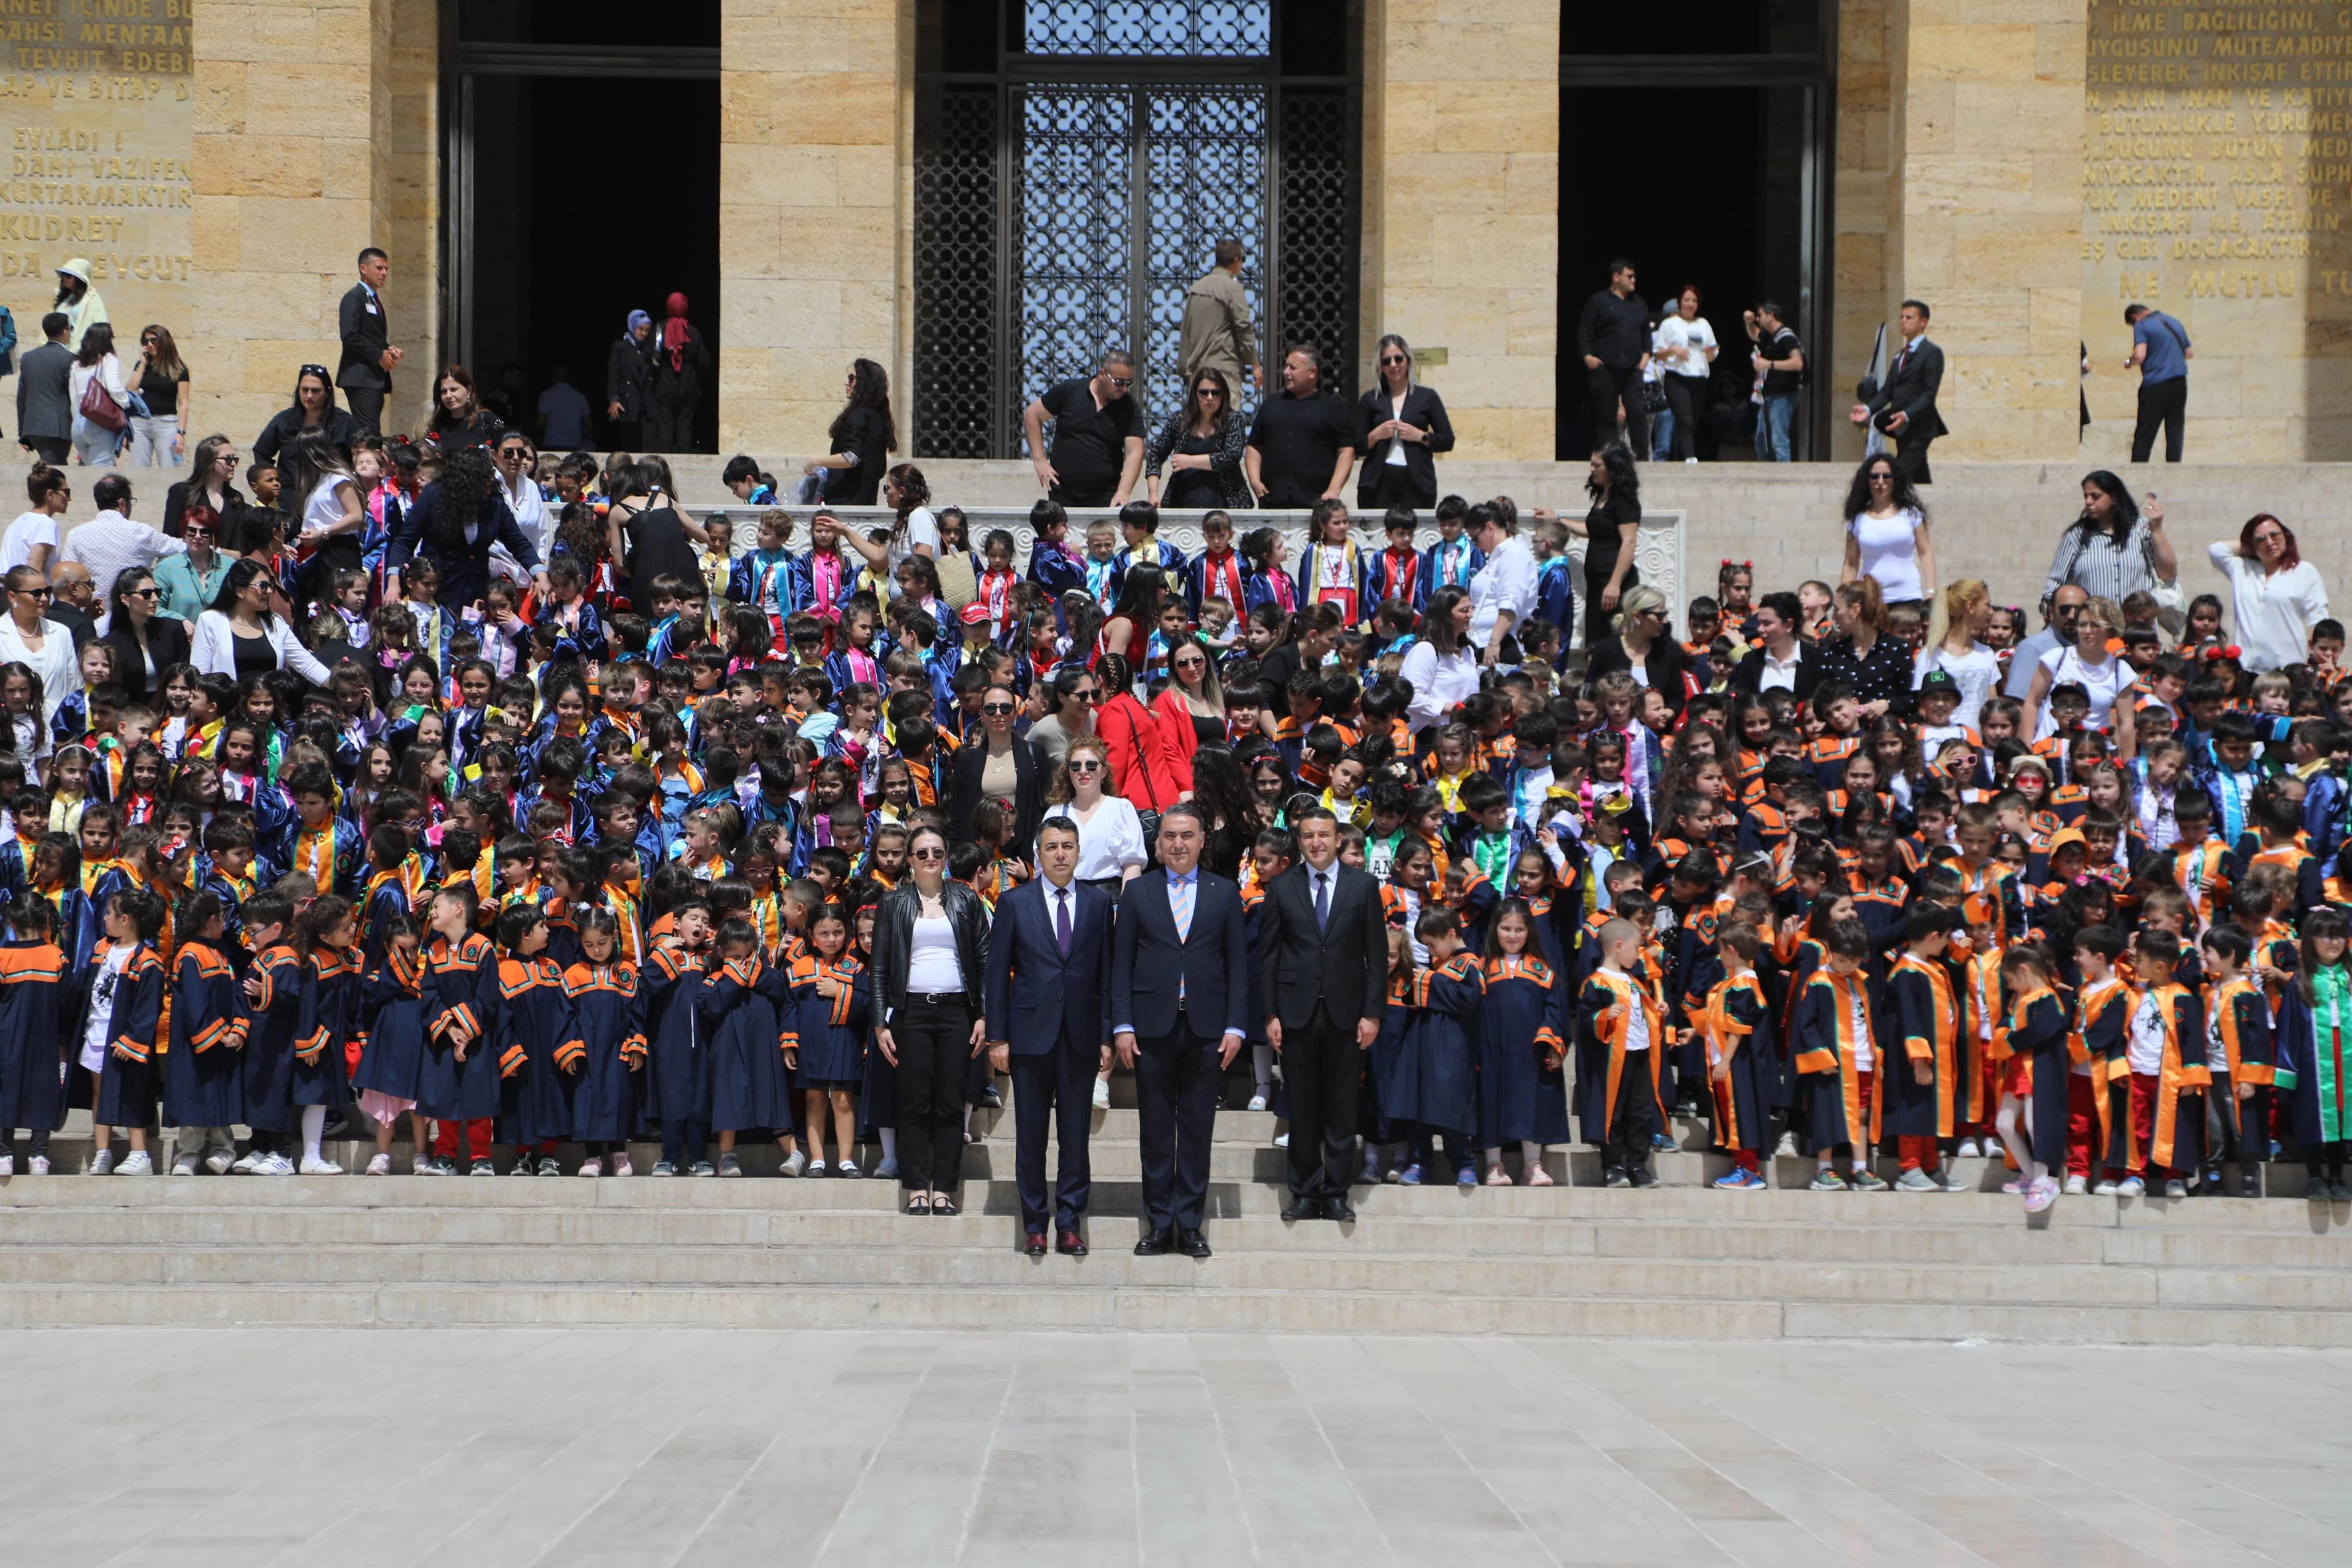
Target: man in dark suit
1179	1001
45	393
365	372
1906	405
1323	969
1054	937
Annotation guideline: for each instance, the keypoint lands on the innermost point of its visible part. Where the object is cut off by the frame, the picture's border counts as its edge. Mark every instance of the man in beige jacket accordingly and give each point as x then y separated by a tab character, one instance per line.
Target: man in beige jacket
1217	328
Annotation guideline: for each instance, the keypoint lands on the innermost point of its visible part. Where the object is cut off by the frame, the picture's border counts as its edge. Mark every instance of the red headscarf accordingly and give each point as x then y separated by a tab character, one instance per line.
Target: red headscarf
673	332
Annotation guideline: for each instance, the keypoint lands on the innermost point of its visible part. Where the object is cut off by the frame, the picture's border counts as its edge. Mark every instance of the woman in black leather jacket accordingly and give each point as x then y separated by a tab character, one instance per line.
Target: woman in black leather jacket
931	952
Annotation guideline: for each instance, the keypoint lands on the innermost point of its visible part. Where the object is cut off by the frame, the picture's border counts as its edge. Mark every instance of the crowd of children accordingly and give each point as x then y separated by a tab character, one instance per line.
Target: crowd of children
599	862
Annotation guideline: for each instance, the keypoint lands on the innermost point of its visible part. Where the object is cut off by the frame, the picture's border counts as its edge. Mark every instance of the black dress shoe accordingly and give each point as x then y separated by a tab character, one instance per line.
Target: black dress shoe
1036	1245
1071	1244
1156	1244
1192	1243
1303	1209
1339	1209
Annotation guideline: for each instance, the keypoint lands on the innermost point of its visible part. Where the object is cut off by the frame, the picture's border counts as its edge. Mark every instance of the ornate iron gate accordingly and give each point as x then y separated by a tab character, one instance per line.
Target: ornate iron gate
1067	194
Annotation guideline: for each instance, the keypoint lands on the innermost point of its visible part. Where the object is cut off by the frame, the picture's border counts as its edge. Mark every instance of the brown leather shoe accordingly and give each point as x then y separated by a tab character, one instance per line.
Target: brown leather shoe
1071	1245
1035	1246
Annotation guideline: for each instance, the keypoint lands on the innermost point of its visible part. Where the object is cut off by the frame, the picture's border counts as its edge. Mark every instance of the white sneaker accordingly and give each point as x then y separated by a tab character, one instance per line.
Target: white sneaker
1282	1140
185	1165
319	1167
422	1166
247	1163
1102	1094
2077	1186
379	1166
2131	1187
2175	1188
794	1163
1918	1181
100	1163
136	1164
37	1166
274	1164
1966	1151
1258	1102
218	1161
7	1164
592	1166
2105	1189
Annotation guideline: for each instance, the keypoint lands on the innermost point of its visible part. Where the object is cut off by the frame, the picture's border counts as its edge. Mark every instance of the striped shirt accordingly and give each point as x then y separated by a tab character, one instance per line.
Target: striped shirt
2094	563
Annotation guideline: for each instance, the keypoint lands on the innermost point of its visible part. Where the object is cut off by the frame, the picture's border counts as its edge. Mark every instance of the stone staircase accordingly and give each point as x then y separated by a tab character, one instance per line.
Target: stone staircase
1680	1261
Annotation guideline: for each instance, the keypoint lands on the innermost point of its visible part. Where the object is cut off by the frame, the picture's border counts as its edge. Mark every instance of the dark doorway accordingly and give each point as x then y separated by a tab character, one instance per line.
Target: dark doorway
588	203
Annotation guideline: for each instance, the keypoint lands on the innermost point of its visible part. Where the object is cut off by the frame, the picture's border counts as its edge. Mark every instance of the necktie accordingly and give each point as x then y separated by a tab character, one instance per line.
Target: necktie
1179	904
1322	899
1062	919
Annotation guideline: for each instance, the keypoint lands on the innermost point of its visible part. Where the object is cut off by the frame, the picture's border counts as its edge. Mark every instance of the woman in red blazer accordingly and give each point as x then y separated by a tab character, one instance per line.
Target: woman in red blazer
1146	768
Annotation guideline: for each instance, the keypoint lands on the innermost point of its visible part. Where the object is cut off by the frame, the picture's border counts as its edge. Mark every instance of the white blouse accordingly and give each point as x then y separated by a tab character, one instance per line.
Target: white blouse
2274	612
1110	841
931	963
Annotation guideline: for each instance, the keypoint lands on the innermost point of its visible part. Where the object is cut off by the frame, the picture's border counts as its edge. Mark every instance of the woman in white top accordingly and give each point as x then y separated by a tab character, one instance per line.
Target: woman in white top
917	531
1111	835
240	635
2276	596
1685	353
315	469
1442	667
1886	535
32	538
2090	663
43	646
97	360
1963	653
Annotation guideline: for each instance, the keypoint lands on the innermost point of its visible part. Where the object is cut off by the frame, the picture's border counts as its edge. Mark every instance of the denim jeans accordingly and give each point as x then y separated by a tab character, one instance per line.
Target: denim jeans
151	441
1662	434
1772	422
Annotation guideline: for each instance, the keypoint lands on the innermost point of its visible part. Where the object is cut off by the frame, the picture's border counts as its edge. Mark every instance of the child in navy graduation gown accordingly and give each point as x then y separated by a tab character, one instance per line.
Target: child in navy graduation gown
390	1074
458	1085
204	1077
124	991
1437	1088
831	1003
326	933
750	1088
679	1092
608	1096
538	1044
32	1060
2035	1043
1743	1061
1384	1063
1522	1089
272	990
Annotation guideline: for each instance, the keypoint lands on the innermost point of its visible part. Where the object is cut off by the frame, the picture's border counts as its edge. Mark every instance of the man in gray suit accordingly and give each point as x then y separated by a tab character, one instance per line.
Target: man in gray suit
45	393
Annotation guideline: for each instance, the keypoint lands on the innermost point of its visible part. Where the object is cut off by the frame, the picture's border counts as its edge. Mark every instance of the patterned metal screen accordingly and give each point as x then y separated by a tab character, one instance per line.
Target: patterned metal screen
1062	210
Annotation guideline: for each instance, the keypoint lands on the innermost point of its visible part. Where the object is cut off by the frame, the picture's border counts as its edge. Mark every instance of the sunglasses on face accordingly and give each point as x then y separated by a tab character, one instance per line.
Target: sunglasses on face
1210	391
1086	767
996	709
934	853
1393	359
1190	663
146	593
1089	695
1122	382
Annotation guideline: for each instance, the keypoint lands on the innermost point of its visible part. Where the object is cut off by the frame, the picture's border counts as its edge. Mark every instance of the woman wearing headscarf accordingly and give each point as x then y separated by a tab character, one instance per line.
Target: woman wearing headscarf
627	369
674	390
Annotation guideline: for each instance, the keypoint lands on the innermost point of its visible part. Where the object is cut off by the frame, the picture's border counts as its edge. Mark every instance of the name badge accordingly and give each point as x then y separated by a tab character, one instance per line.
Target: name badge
373	309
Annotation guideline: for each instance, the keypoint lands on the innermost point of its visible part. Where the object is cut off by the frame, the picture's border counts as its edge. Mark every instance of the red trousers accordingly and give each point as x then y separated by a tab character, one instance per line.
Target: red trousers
2082	1124
477	1138
2144	1087
1919	1152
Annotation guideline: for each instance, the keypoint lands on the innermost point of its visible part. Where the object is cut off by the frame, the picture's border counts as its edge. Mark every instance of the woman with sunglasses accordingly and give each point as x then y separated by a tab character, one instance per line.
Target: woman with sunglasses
931	965
1111	849
145	641
313	408
161	379
1001	767
1191	706
211	484
242	635
1200	447
29	637
1643	645
1401	427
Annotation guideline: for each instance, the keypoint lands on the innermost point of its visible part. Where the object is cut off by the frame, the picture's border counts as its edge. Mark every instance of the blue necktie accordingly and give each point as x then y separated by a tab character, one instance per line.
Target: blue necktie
1322	901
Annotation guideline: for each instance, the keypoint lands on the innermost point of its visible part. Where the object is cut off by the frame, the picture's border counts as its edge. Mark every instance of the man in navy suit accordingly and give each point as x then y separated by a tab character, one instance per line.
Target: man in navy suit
1180	1001
1053	936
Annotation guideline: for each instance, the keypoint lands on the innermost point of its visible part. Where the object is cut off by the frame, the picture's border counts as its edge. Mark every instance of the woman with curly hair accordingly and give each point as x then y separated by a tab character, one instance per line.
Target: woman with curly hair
455	522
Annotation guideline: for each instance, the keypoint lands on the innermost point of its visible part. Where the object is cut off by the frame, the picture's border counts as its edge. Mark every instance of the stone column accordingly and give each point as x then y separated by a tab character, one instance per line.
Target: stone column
1983	214
811	149
1462	208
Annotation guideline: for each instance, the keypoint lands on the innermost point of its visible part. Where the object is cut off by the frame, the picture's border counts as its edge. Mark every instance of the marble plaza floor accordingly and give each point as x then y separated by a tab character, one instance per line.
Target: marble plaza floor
595	1447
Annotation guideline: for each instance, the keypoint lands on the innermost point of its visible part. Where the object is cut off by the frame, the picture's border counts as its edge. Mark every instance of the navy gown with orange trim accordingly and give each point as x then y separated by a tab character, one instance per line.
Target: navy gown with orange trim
1432	1082
538	1047
203	1072
608	1097
329	1017
269	1024
830	1030
1829	1064
460	1009
1522	1085
127	1081
1929	1020
32	1038
393	1063
738	1009
669	985
1735	1026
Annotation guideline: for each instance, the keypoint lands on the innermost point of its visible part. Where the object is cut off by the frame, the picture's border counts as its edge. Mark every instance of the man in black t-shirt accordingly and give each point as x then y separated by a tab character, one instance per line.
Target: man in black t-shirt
1097	450
1781	357
1302	445
1613	335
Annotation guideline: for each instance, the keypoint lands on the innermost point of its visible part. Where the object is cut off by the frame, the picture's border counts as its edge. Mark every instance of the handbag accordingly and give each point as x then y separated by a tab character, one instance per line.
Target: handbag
1653	396
957	585
98	404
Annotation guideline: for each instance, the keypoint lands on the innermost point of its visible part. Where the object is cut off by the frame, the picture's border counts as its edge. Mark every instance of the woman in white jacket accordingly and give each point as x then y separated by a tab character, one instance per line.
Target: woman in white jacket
240	637
2276	596
97	360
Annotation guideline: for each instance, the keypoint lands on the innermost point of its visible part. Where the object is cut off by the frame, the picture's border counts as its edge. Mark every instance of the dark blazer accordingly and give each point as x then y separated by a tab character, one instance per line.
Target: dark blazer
466	565
286	424
167	640
1747	674
1147	959
1663	666
1423	408
1059	998
45	393
860	486
1911	386
894	942
627	370
365	336
1344	965
1028	791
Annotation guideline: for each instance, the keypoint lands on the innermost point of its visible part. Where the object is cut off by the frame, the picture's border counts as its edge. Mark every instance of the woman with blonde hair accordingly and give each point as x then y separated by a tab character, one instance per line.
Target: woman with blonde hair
1960	651
1643	645
1878	667
2092	661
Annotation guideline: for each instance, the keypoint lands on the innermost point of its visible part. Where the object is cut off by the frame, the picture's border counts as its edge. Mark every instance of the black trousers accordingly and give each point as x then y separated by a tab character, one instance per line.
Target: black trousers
1323	1066
1385	485
1176	1103
1596	619
669	429
1060	1084
625	434
934	1042
1611	387
2165	405
366	404
52	450
1686	398
1911	459
1634	1120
